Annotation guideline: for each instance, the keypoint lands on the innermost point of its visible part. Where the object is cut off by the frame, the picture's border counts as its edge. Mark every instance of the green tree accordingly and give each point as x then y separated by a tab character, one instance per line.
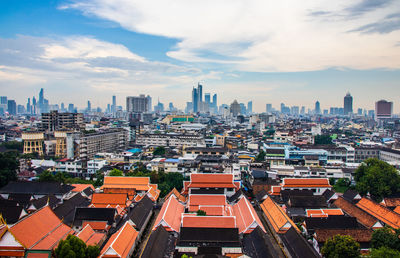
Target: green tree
201	213
75	247
341	246
159	151
386	237
8	167
99	179
13	145
384	252
261	156
47	176
322	139
377	178
116	172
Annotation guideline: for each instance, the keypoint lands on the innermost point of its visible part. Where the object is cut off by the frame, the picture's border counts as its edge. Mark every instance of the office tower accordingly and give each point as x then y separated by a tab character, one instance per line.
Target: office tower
282	107
108	110
317	108
359	111
207	98
89	106
215	104
171	106
11	107
71	108
149	104
114	104
383	109
137	104
195	100
303	110
3	104
326	112
348	104
243	110
20	109
159	107
268	108
200	92
371	113
235	108
250	107
41	96
62	107
34	104
295	110
28	106
189	107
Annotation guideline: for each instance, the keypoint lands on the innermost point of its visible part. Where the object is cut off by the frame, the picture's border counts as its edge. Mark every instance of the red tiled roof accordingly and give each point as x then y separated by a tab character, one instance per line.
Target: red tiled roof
40	230
170	215
138	183
397	209
89	236
196	200
109	199
177	195
306	182
208	221
385	215
246	217
81	187
201	180
121	242
323	212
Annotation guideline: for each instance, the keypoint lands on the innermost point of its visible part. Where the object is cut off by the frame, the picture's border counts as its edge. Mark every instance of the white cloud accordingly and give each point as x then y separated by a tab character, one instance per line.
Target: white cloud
259	35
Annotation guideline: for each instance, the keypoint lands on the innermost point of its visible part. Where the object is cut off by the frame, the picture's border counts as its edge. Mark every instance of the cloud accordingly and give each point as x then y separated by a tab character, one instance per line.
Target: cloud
387	25
258	35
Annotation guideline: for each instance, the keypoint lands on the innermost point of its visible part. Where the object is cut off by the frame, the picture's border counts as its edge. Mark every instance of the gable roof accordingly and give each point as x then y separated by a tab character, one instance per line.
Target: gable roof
363	217
385	215
22	199
51	200
208	236
158	243
297	246
208	222
177	195
40	230
89	236
324	212
306	183
331	222
246	217
37	188
276	216
12	214
94	214
87	189
358	234
170	215
315	201
112	199
66	210
212	180
397	210
196	201
120	243
351	195
140	212
137	183
256	245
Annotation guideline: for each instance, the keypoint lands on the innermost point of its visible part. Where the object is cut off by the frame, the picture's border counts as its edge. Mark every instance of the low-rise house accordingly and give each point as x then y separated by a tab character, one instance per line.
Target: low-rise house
122	243
317	185
380	212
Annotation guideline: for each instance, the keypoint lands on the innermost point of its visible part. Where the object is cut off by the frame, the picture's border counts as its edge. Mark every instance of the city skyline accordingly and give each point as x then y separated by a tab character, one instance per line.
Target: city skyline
103	50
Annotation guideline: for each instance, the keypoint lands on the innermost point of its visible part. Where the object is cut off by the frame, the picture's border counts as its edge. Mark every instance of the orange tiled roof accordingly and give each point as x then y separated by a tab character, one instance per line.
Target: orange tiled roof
170	215
391	202
81	187
305	182
40	230
397	209
96	225
275	190
177	195
153	192
276	216
210	180
109	199
246	217
208	221
89	236
363	217
138	183
196	200
121	242
213	210
323	212
385	215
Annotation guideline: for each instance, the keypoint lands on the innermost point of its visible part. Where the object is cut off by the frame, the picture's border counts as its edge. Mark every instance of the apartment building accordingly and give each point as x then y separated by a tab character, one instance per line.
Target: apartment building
57	121
172	140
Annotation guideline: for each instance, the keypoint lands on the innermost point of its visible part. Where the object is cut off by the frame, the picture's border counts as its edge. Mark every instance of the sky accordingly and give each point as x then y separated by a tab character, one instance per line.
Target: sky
287	51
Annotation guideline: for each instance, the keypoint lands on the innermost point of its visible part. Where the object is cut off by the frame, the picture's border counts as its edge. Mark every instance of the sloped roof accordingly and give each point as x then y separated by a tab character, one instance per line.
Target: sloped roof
197	200
40	230
109	199
297	245
392	201
94	214
89	236
305	182
363	217
170	215
137	183
331	222
140	212
158	243
177	195
397	209
256	245
385	215
315	201
358	234
36	188
11	214
246	217
22	199
324	212
51	200
208	222
214	180
276	216
66	210
81	187
121	242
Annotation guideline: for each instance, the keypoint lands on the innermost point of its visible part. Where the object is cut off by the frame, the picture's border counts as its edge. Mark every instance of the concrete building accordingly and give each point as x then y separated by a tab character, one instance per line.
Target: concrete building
383	109
33	142
235	108
138	104
348	104
172	140
57	121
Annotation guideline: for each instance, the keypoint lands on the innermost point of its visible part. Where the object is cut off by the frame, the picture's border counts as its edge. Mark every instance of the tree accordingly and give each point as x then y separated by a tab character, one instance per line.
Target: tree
47	176
386	237
384	252
8	167
377	178
159	151
261	156
75	247
322	139
116	172
201	213
341	246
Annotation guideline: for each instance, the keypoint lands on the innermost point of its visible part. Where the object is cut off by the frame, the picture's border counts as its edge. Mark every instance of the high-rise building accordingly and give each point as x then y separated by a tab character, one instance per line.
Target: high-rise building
215	100
250	107
303	110
317	108
137	104
235	108
71	108
3	104
195	100
114	104
295	110
243	110
207	98
348	104
200	92
149	104
56	121
383	109
34	105
28	106
268	108
12	107
89	106
359	111
21	109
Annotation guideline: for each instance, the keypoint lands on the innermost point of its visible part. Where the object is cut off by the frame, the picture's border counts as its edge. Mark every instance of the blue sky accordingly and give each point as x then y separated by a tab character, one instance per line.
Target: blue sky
289	51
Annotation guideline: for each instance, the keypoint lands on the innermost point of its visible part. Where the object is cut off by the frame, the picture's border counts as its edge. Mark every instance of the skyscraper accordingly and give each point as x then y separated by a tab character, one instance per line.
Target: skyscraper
235	108
11	107
28	106
383	109
348	104
268	108
215	100
114	104
200	92
317	108
195	100
3	104
137	104
250	107
149	104
89	106
207	98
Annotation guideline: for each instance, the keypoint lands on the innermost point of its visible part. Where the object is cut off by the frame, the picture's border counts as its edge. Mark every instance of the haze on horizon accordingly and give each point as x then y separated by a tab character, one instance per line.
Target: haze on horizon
295	52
